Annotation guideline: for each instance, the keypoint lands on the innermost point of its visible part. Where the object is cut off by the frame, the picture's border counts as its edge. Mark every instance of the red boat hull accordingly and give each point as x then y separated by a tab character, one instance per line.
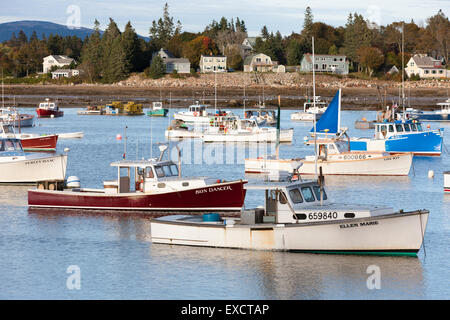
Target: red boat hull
227	196
42	143
45	113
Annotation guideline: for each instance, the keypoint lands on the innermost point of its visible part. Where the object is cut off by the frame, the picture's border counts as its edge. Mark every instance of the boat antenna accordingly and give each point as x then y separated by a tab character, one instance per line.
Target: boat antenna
151	138
244	99
170	105
125	143
403	67
3	92
215	92
277	150
314	105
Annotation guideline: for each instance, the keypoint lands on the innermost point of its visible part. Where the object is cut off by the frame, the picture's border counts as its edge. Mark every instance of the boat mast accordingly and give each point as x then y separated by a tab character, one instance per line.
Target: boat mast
215	92
403	67
314	105
244	99
3	93
277	150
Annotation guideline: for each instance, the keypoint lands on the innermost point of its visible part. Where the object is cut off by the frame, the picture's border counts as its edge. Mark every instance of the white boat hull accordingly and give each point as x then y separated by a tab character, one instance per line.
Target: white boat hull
447	182
262	135
71	135
398	233
305	116
271	165
360	164
182	134
33	168
192	119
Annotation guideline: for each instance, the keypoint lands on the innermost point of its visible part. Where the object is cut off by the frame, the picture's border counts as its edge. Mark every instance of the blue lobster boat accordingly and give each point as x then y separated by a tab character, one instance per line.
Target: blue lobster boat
438	115
399	136
402	136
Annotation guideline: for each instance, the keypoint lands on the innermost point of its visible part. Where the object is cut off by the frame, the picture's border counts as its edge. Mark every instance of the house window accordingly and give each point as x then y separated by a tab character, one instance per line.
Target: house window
427	72
335	59
433	71
340	59
316	66
324	66
440	71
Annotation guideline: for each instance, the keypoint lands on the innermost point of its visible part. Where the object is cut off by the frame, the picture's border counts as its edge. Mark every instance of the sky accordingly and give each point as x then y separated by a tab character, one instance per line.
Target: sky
283	15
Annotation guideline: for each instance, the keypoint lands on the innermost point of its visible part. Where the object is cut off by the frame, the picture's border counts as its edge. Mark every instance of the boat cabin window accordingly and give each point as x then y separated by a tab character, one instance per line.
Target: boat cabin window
282	198
399	127
295	195
342	146
419	127
413	127
7	129
174	169
167	171
407	127
383	128
149	173
317	193
159	172
9	145
307	194
391	128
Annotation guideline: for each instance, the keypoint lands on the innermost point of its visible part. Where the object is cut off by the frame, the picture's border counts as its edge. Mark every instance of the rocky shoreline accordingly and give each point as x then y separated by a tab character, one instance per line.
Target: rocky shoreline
292	87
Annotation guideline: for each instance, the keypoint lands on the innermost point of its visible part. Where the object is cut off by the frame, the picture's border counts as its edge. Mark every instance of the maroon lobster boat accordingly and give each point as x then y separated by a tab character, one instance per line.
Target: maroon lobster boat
48	109
146	185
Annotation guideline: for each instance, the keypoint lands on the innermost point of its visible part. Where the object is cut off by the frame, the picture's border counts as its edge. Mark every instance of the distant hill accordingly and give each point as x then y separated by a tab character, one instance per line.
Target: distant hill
42	27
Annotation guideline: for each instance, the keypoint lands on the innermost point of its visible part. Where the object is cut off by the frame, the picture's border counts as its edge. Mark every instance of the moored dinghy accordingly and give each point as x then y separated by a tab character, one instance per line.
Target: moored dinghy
299	216
447	181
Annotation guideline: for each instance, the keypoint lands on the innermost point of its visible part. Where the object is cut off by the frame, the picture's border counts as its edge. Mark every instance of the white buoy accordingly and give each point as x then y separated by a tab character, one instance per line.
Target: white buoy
430	174
52	116
66	150
118	137
73	182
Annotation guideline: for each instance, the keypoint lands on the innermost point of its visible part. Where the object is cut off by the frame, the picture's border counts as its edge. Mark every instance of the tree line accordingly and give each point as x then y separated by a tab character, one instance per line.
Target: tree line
111	55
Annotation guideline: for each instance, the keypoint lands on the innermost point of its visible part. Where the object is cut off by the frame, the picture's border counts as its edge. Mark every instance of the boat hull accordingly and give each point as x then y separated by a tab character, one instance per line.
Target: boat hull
431	116
261	136
191	118
26	120
271	165
305	116
447	182
158	113
397	234
46	113
219	197
360	164
40	143
33	169
428	143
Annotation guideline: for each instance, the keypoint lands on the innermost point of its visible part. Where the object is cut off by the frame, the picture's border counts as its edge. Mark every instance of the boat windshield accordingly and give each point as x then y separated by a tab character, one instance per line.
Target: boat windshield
307	194
407	128
399	127
10	145
413	127
342	146
295	195
317	193
419	127
166	171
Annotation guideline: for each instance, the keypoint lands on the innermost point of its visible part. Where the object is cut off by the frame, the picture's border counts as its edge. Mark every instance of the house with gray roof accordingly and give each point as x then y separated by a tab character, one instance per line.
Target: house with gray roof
247	46
55	60
324	63
425	67
181	65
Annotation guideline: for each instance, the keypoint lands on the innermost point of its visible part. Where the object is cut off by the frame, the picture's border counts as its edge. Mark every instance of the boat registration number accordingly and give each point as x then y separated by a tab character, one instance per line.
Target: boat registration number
355	156
322	215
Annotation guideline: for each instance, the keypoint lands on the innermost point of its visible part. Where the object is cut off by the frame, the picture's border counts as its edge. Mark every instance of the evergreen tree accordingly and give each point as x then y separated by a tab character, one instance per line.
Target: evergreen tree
131	46
22	39
157	68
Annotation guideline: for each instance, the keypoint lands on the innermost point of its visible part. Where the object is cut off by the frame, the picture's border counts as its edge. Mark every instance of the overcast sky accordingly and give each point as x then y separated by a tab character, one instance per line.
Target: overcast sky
283	15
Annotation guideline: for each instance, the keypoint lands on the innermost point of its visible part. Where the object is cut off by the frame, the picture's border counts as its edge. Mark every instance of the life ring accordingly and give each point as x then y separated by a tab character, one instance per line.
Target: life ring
195	114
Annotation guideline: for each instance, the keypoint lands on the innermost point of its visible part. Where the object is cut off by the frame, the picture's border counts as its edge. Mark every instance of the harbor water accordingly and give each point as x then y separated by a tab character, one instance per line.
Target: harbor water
115	258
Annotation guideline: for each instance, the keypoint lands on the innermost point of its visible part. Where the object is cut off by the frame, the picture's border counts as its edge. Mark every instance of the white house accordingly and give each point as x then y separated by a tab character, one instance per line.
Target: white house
247	46
324	63
259	62
425	67
213	63
55	60
65	73
181	65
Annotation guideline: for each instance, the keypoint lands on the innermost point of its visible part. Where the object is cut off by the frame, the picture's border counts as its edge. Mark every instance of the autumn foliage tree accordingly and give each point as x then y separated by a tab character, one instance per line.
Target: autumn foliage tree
201	45
370	58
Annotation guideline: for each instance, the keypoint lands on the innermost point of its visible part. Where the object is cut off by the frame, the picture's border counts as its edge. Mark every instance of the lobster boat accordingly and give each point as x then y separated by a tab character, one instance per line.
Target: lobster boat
299	216
147	185
48	109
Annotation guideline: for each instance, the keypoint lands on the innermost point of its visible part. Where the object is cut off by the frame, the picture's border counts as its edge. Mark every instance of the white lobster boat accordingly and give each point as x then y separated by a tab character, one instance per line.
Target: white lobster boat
335	158
246	130
198	113
18	167
310	110
299	216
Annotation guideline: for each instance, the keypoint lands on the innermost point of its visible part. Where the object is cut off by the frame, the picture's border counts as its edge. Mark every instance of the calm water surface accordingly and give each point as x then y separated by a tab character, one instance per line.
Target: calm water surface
118	261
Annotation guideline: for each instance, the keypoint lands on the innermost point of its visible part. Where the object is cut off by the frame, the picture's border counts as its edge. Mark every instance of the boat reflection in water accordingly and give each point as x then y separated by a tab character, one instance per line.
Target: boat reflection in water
278	275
